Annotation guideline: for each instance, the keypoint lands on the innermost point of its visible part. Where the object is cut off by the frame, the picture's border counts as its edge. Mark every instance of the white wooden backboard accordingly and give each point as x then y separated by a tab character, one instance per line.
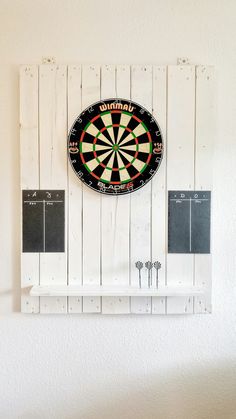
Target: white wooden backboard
130	227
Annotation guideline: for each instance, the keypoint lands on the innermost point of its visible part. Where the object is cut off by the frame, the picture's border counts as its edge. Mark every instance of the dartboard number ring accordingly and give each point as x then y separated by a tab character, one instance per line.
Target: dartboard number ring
115	146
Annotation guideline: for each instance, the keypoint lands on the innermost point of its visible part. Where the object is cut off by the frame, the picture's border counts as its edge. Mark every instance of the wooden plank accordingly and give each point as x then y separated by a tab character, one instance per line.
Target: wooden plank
115	210
140	207
91	204
180	168
75	270
159	196
205	132
109	291
29	174
108	208
205	126
123	239
53	169
203	276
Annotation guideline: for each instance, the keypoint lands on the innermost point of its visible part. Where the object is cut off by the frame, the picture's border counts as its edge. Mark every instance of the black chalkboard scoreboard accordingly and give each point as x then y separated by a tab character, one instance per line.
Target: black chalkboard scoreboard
189	214
43	220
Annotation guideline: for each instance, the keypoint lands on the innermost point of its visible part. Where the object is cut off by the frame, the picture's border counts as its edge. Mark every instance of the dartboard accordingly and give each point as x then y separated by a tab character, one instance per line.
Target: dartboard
115	146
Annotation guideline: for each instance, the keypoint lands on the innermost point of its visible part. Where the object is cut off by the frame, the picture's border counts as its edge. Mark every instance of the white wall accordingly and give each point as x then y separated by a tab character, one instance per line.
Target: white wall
92	367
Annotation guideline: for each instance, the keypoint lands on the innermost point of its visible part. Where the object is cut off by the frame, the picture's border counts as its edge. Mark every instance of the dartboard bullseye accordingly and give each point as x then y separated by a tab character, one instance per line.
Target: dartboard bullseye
115	146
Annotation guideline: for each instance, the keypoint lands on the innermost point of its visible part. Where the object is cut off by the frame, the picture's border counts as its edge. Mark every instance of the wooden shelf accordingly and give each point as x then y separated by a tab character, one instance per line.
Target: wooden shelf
101	291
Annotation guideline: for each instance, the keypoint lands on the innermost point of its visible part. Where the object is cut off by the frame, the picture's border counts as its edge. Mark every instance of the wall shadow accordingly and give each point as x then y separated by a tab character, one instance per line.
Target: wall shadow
202	394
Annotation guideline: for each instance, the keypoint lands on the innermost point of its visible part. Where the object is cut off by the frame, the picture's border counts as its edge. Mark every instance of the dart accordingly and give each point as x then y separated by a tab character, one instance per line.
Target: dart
149	266
157	266
139	266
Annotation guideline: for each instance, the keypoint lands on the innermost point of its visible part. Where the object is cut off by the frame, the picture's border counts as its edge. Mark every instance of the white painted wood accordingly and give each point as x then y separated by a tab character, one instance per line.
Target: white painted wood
91	204
29	174
180	168
106	234
29	127
53	168
140	208
108	208
113	291
123	90
159	194
115	210
205	132
205	126
75	208
203	277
